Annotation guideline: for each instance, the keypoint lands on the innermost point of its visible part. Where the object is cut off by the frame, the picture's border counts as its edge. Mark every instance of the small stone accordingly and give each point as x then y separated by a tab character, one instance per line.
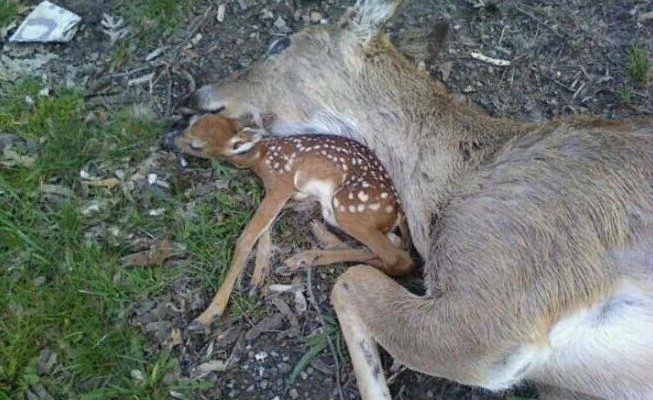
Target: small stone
137	374
267	14
315	17
47	360
151	179
243	5
263	384
280	23
39	281
646	17
468	89
293	394
284	368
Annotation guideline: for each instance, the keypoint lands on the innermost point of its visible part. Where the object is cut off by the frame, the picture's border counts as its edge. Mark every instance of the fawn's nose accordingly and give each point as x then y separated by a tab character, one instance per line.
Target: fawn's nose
167	141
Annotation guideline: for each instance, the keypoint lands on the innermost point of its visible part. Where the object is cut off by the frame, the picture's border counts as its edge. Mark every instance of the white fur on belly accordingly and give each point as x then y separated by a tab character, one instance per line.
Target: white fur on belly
323	192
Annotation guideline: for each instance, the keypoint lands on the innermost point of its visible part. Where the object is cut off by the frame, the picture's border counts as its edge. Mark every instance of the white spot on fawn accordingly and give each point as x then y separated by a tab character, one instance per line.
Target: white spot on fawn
352	208
374	206
384	195
363	197
361	207
389	209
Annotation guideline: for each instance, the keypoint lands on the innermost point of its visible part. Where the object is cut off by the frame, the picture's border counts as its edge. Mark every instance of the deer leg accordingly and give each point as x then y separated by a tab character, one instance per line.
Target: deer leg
317	257
262	263
394	260
265	214
359	338
323	235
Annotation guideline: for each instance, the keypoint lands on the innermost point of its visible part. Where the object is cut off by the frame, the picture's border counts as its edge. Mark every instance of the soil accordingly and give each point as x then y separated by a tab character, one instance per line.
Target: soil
566	57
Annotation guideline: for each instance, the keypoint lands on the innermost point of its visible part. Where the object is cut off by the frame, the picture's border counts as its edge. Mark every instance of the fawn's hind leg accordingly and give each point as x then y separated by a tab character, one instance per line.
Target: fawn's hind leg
395	261
318	257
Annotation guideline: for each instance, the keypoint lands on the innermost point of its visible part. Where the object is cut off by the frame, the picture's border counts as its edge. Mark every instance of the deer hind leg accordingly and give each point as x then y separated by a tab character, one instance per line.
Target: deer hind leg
395	261
325	237
317	257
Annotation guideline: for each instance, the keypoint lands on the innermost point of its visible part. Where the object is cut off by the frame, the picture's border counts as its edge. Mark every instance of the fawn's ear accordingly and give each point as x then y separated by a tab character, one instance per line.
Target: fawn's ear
245	140
367	17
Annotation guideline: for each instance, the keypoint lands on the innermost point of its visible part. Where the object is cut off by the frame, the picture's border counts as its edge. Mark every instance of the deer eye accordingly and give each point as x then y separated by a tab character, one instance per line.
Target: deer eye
236	144
277	46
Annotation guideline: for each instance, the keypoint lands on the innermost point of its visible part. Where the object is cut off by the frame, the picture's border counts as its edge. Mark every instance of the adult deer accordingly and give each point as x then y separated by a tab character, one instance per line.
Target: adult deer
537	238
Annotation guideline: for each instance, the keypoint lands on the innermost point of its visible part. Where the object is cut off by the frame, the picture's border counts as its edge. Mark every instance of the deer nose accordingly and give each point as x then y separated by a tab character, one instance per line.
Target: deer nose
167	141
206	98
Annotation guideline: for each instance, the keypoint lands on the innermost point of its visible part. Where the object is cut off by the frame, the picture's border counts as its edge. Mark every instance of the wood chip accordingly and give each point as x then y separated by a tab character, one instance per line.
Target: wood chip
107	183
221	11
494	61
141	79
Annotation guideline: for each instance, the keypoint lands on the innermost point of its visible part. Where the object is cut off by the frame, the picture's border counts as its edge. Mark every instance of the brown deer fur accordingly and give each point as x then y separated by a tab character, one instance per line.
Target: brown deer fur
355	192
537	238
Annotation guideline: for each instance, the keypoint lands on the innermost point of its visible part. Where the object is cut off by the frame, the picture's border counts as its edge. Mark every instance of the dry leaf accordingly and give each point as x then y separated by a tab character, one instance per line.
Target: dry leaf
159	252
108	183
211	366
11	158
175	337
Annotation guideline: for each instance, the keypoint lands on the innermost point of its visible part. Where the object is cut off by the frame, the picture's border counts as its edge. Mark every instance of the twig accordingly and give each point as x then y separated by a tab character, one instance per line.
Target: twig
332	348
168	93
196	26
494	61
539	21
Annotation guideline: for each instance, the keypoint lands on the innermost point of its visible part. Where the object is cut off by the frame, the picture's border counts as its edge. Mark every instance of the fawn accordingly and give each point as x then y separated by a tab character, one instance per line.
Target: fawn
354	190
536	238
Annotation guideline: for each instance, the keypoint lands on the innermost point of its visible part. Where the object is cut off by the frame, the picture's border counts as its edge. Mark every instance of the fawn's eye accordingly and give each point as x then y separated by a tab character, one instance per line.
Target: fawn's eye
197	144
277	46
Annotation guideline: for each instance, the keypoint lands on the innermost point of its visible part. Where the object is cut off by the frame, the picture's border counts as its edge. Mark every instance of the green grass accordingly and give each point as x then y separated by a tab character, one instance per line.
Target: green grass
625	95
154	18
78	312
637	65
8	11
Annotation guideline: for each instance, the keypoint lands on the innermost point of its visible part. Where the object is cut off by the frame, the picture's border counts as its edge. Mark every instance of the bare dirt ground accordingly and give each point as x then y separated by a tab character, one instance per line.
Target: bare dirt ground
566	57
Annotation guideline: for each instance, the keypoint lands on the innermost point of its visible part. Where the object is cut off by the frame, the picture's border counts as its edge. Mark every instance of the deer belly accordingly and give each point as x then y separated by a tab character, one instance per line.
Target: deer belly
323	192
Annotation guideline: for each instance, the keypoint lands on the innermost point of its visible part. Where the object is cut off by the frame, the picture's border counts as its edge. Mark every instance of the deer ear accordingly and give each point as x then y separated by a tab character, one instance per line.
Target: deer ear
368	16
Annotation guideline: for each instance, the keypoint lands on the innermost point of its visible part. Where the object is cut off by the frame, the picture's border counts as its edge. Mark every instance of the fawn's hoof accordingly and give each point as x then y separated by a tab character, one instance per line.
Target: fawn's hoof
198	325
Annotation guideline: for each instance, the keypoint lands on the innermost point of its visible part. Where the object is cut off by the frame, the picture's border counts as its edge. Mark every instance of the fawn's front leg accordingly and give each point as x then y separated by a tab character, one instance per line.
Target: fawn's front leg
265	214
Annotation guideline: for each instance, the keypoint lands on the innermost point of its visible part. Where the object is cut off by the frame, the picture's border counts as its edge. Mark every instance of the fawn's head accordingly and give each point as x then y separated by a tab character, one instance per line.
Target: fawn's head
212	136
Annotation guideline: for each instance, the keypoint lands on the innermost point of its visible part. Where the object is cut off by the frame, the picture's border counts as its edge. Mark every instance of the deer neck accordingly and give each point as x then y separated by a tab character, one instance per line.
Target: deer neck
436	139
